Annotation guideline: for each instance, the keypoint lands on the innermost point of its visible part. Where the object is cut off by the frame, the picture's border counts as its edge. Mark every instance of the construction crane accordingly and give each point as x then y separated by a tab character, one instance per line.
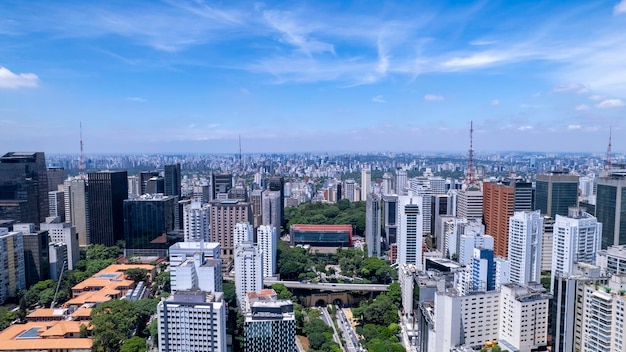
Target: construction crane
54	300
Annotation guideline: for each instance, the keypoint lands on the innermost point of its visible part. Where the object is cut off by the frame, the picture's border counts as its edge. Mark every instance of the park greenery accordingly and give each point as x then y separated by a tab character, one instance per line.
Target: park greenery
6	317
378	321
343	212
319	334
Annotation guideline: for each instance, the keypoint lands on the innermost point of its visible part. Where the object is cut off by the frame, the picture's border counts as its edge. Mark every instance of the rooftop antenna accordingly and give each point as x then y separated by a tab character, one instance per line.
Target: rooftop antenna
82	174
470	177
607	163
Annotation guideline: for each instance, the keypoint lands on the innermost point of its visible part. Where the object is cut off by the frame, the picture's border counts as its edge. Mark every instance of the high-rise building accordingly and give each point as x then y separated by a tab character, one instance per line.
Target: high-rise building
192	321
501	200
154	185
12	266
221	184
576	240
410	224
390	216
524	249
611	208
373	226
256	202
366	181
58	260
401	181
271	208
77	209
350	188
439	206
248	272
266	240
36	255
523	317
56	202
555	193
612	260
63	232
469	203
148	224
243	232
56	176
603	319
196	222
107	192
172	180
419	186
225	214
387	185
277	184
24	187
196	265
144	178
269	322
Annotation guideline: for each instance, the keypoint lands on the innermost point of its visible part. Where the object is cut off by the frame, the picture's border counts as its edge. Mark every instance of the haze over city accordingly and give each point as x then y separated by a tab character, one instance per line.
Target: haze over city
177	76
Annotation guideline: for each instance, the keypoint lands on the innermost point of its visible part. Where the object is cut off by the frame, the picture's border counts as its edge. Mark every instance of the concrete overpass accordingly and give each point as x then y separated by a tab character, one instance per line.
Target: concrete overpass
336	287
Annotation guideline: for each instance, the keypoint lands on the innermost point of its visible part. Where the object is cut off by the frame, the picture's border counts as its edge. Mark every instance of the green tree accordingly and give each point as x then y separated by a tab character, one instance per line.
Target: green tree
136	274
282	291
112	324
6	317
395	293
134	344
102	252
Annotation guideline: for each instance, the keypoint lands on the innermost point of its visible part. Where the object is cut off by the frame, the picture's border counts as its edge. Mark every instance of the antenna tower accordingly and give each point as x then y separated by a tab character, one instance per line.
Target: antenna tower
607	163
470	177
82	174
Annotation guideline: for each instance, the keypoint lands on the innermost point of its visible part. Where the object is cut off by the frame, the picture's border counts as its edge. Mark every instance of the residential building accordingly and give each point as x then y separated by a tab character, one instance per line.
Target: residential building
225	214
269	322
523	317
524	247
12	266
410	226
196	226
373	226
248	271
266	240
366	181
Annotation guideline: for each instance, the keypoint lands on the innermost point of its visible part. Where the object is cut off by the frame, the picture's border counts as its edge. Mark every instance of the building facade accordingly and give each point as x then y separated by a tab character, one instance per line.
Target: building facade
107	192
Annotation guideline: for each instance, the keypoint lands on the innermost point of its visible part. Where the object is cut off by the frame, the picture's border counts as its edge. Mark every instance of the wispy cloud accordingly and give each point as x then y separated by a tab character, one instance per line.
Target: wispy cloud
433	97
495	102
571	88
620	8
136	99
596	97
574	127
582	107
483	42
525	128
10	80
378	99
296	33
610	103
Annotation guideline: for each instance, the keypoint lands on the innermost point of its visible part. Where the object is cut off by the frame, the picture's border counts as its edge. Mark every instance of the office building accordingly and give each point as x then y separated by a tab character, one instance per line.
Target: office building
469	204
524	248
439	206
256	203
24	187
36	255
56	203
501	200
401	181
387	184
221	184
390	218
321	235
172	178
577	238
419	186
248	272
154	185
77	208
366	181
271	209
555	193
149	221
56	176
610	200
410	230
266	240
350	189
134	186
373	227
196	222
12	266
277	184
192	321
107	192
144	178
225	214
58	260
269	322
63	232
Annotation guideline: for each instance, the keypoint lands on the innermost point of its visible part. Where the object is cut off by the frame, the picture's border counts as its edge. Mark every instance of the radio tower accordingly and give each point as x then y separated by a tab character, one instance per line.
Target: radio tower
607	163
82	174
470	176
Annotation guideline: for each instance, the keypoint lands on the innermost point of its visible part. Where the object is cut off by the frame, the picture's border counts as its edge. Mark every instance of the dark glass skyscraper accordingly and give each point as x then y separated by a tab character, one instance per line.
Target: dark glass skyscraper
172	180
24	187
278	184
611	208
555	193
148	225
107	191
221	184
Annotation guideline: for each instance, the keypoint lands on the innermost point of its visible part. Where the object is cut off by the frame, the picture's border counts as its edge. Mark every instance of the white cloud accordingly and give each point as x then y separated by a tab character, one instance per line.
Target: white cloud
620	8
610	103
433	97
483	42
379	99
472	61
574	127
582	107
571	88
10	80
495	102
596	97
525	128
136	99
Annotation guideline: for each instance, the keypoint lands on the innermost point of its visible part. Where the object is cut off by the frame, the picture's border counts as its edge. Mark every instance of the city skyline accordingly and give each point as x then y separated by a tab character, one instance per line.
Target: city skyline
191	77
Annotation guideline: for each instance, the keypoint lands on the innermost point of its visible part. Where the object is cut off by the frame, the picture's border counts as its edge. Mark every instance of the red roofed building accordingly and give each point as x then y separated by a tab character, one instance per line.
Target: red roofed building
321	235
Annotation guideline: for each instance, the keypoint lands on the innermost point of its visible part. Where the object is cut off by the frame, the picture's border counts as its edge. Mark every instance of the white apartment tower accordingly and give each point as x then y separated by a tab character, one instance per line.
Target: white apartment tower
266	240
577	239
196	222
243	232
366	181
410	226
192	321
603	316
248	271
524	250
523	317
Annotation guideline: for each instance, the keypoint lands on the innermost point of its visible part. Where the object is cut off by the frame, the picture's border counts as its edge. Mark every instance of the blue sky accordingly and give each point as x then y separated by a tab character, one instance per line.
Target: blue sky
191	76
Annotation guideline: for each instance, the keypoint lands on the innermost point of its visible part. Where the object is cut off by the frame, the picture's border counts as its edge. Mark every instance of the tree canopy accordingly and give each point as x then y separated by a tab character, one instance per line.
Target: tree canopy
343	212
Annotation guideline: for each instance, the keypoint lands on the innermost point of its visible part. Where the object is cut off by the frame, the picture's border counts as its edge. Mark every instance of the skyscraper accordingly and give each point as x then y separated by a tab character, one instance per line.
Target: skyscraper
148	223
366	181
196	222
401	181
524	247
56	176
555	193
271	209
410	238
500	201
266	240
221	184
611	208
36	255
243	232
12	268
225	214
373	226
277	184
390	215
172	180
56	202
248	272
470	204
24	184
65	233
77	208
350	188
576	239
107	192
269	322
